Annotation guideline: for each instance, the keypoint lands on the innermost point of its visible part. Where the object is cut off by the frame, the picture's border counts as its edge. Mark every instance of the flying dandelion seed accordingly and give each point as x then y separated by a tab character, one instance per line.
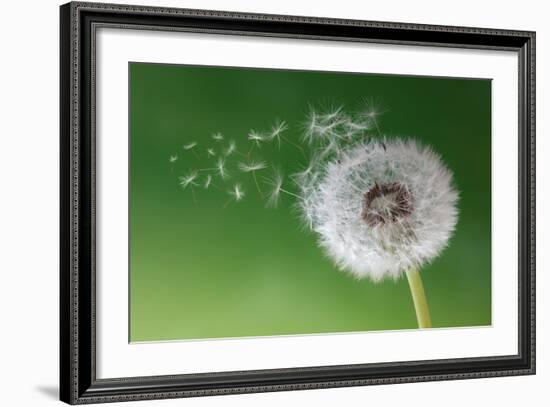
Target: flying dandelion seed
189	179
256	137
217	136
191	147
323	128
220	167
231	148
276	132
276	184
237	194
208	181
173	159
210	152
372	111
311	126
252	167
354	128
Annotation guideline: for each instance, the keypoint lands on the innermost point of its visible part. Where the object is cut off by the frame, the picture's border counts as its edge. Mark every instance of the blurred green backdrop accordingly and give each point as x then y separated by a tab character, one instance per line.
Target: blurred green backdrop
202	269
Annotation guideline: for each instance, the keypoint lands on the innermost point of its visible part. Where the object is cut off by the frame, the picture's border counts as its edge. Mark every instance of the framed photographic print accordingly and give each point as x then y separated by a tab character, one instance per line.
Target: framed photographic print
257	203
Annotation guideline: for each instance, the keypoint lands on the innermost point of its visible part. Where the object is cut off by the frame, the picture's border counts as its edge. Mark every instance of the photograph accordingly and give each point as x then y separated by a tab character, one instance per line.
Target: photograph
268	202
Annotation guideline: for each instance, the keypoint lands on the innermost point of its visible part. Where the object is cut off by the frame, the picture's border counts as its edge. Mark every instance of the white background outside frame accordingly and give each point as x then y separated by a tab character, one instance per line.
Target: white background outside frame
29	169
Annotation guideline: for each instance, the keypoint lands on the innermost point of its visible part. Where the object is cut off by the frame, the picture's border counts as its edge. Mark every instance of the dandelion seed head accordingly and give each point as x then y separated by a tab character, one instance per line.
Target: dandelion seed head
381	207
252	166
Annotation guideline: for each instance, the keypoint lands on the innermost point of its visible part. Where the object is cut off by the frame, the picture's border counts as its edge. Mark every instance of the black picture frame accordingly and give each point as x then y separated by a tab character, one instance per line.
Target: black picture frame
78	382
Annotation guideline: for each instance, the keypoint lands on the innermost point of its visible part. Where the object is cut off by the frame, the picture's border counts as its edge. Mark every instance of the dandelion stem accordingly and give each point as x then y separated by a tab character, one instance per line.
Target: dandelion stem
419	298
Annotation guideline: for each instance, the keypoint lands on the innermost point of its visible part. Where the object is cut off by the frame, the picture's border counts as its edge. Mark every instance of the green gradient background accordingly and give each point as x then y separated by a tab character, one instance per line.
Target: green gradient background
199	270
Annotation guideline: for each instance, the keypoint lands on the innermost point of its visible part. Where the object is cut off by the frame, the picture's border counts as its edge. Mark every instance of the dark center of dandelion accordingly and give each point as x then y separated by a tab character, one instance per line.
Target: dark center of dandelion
386	203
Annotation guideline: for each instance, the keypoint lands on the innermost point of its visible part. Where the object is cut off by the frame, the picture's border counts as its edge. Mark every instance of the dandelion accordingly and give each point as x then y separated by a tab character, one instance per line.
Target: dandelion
383	209
252	167
217	136
210	152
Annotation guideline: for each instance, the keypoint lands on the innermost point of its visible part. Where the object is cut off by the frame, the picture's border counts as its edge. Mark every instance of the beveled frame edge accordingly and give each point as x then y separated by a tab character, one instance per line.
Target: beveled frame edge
78	383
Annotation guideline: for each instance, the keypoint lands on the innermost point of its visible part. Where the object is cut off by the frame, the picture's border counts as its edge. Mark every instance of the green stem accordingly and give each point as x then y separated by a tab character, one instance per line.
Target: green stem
419	298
